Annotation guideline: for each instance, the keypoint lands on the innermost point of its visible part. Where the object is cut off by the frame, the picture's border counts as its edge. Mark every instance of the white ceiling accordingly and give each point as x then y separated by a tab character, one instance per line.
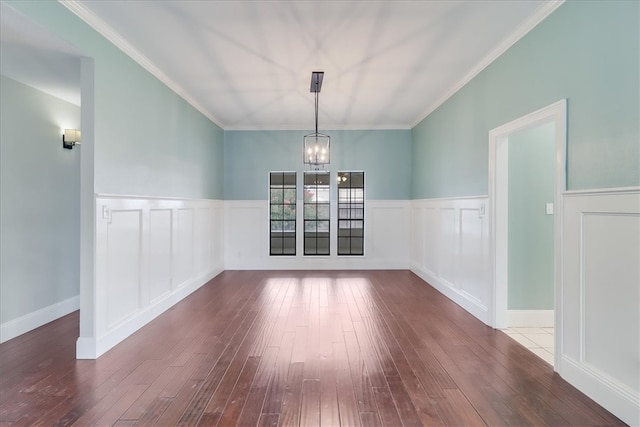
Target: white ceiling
247	64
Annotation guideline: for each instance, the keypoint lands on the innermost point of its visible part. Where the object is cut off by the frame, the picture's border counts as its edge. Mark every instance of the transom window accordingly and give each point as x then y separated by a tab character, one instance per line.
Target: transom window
350	213
282	213
317	213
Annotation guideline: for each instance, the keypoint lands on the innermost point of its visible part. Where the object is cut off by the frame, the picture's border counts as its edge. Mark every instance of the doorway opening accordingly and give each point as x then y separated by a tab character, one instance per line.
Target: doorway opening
37	58
515	252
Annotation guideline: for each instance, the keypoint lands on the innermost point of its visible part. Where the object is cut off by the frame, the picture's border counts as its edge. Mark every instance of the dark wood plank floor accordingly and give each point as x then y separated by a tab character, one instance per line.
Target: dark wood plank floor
293	348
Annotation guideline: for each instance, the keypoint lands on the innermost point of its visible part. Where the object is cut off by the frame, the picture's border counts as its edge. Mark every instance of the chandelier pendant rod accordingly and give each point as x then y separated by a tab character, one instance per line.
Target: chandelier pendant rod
316	146
316	112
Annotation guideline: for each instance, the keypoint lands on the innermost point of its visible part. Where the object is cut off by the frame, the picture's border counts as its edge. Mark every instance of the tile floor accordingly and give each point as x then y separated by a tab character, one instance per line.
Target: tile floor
538	340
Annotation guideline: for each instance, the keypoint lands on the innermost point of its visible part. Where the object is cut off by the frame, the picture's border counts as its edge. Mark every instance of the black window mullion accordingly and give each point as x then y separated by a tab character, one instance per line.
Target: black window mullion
351	201
282	241
316	242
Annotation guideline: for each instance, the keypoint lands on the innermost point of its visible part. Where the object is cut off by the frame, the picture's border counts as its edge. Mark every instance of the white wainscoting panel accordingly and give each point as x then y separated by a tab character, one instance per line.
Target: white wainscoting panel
185	250
160	256
123	267
246	234
450	250
473	243
150	254
446	245
217	235
202	244
387	225
600	296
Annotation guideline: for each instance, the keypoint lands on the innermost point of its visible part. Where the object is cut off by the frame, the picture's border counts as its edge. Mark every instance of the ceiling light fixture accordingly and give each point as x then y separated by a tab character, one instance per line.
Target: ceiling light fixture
316	145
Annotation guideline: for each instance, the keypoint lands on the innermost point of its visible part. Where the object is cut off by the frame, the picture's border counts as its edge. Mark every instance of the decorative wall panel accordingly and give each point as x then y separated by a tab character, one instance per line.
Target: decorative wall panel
160	252
150	253
600	312
450	250
124	265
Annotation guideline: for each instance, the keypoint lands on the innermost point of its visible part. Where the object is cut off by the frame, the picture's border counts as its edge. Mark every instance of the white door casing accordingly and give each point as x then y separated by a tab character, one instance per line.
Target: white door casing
498	203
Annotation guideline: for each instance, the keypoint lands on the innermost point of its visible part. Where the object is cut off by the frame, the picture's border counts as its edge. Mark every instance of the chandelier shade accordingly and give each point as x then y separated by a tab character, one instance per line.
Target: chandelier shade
317	148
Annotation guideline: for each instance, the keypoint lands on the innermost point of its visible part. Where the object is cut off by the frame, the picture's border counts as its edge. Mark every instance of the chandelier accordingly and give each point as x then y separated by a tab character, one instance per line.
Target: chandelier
316	145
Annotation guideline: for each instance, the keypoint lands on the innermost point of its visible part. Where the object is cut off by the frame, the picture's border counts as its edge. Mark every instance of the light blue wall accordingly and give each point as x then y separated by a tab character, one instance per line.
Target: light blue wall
39	201
148	140
384	155
587	52
531	186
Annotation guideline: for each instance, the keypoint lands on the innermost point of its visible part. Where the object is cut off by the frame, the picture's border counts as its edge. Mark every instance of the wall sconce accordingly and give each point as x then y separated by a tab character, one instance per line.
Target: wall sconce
70	137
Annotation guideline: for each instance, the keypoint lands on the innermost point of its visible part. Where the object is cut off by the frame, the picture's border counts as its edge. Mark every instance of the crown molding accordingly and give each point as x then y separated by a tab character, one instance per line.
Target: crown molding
546	10
91	19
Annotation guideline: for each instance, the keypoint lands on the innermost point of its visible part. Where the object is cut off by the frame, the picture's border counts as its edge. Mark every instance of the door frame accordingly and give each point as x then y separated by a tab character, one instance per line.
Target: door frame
498	203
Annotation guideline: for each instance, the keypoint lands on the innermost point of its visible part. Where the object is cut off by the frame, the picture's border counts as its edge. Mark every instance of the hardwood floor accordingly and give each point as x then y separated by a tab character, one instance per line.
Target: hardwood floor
306	348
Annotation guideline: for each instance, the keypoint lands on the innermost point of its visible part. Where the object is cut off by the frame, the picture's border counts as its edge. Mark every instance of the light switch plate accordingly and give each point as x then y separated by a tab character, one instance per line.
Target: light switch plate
549	207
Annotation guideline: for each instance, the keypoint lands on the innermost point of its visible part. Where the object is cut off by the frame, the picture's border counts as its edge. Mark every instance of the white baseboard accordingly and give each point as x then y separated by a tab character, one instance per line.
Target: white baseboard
611	394
317	263
463	299
530	318
31	321
86	348
92	348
